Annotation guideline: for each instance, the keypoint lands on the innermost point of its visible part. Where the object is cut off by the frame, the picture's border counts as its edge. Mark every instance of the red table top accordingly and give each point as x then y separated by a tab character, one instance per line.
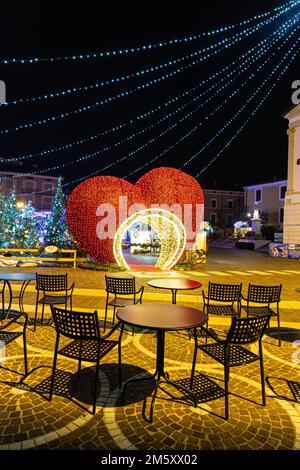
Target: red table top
174	283
162	316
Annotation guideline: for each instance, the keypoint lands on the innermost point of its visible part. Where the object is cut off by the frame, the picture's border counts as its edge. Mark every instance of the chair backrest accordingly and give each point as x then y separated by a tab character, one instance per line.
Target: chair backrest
247	330
76	325
52	282
224	292
120	285
264	294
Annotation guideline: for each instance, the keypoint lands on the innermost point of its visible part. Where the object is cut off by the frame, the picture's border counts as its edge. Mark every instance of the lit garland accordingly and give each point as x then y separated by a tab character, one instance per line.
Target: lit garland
262	45
241	109
169	229
195	128
186	116
263	99
137	74
151	141
146	47
129	92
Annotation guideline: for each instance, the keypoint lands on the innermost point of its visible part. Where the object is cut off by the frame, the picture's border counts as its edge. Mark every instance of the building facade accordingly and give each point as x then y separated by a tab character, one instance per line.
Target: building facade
291	229
267	198
223	207
39	189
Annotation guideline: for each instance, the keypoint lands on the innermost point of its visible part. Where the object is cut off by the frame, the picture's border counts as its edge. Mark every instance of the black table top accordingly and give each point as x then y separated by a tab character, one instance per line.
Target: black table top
162	316
17	276
174	283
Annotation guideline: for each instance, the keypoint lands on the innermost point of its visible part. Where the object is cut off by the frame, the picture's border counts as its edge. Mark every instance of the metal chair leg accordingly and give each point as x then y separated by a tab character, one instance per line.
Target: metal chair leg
95	386
120	364
43	309
226	378
105	315
25	350
36	312
194	360
53	369
262	374
278	326
79	360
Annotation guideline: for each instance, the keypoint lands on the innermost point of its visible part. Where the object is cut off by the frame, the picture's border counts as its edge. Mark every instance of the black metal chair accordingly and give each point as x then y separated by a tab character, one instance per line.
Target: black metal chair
118	287
230	352
55	291
264	296
86	345
221	299
8	320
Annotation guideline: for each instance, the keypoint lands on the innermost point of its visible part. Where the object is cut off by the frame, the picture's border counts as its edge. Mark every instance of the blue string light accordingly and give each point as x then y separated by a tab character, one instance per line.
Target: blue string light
236	72
260	46
149	47
263	99
122	78
125	93
171	147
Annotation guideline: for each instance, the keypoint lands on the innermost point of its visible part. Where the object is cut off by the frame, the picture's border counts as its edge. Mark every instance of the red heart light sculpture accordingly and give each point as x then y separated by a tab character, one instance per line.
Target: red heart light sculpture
92	203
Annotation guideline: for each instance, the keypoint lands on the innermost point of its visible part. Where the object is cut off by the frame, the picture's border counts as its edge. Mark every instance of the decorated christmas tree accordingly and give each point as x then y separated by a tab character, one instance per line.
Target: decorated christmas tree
28	235
10	222
56	225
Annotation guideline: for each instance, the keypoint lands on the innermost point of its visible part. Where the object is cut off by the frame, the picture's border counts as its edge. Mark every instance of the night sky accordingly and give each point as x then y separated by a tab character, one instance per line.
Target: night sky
258	154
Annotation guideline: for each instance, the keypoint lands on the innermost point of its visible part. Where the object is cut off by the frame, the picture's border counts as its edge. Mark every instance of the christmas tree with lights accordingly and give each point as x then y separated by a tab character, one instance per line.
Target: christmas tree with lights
28	235
10	222
56	226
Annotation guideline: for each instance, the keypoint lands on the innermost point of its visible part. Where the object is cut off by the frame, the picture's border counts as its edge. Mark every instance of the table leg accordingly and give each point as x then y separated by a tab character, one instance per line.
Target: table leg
5	312
174	294
161	376
21	295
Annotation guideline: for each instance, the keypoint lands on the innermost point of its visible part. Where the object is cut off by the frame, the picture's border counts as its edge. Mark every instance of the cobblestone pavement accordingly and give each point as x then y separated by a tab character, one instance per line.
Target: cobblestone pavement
29	421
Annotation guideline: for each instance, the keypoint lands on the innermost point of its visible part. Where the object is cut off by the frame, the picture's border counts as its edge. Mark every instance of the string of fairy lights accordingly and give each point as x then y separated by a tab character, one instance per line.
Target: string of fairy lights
158	108
236	72
227	42
223	45
171	147
186	116
185	104
248	56
280	10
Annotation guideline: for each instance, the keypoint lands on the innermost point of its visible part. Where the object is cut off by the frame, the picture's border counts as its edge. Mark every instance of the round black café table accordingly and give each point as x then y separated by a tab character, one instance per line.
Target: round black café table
174	285
7	278
162	318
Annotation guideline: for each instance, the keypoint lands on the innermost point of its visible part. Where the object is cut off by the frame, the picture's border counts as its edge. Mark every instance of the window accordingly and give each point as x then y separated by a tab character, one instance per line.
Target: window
230	204
213	218
9	184
214	203
282	191
281	215
28	186
47	186
47	202
229	219
258	195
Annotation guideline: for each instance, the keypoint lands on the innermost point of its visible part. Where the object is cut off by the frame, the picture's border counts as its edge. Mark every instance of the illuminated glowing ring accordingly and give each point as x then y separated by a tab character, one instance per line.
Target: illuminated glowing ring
169	228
